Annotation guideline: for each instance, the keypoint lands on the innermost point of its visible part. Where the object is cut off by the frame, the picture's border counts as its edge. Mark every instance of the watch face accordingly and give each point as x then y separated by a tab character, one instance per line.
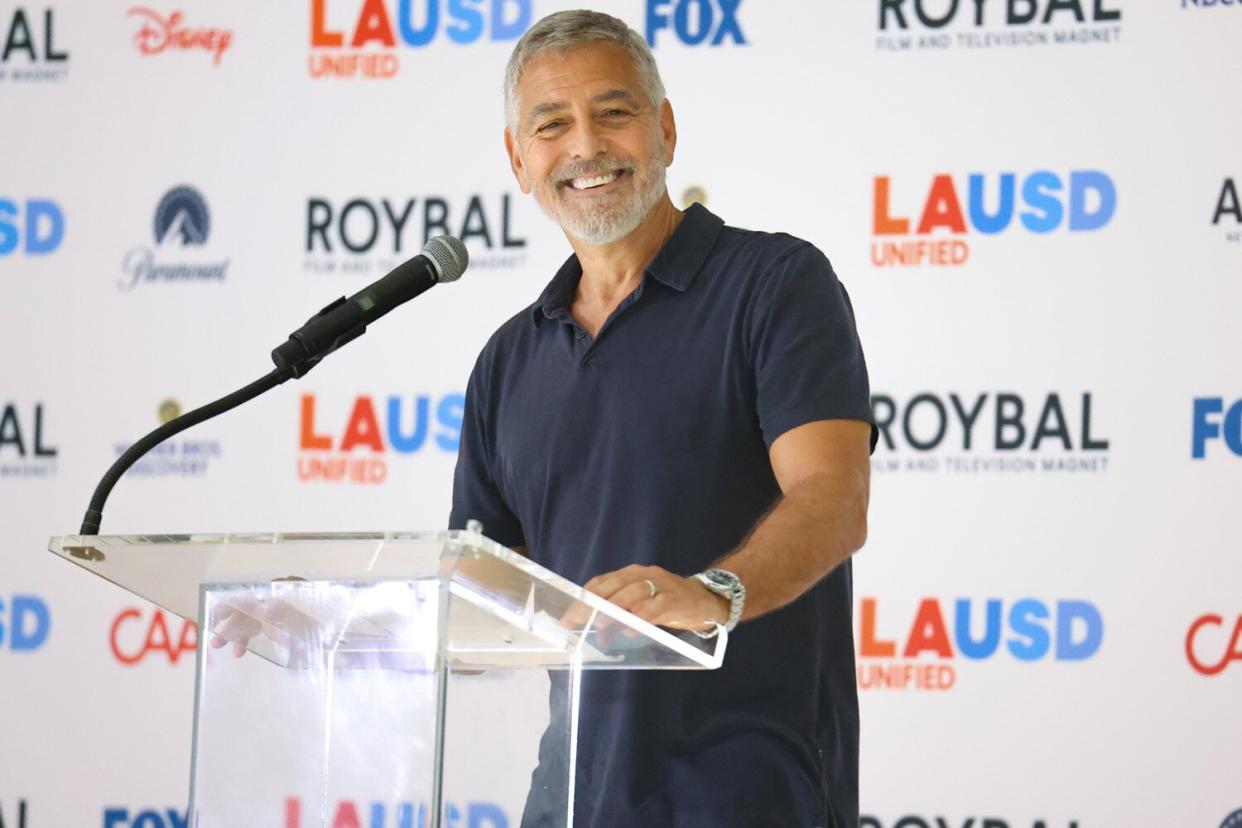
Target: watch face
722	579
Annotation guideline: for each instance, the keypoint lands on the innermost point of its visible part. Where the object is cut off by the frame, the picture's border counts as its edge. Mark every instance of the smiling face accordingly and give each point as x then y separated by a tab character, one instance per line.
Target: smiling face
588	143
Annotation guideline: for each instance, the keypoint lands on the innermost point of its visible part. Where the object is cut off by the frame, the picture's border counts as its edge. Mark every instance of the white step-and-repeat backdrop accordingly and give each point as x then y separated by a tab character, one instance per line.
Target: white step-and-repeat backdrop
1034	204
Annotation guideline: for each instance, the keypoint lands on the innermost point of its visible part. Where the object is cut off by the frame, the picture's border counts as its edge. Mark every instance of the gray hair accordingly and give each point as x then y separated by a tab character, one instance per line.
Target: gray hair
566	30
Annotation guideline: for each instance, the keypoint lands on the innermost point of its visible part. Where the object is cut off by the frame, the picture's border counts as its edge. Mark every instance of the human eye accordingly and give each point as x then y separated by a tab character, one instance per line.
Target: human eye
547	128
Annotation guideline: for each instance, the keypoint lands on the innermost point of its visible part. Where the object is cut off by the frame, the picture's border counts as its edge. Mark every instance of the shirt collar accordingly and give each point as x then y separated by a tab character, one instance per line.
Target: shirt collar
678	262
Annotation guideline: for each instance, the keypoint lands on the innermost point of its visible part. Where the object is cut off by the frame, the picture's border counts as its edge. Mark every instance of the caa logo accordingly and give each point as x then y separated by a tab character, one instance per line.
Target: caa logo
25	623
35	227
148	818
1041	202
1029	630
410	427
1209	424
43	61
24	450
361	226
133	637
404	815
695	21
418	23
1206	638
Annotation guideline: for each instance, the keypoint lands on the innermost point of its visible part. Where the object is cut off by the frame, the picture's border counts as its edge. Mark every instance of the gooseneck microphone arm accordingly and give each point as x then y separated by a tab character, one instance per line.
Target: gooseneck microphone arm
443	259
94	512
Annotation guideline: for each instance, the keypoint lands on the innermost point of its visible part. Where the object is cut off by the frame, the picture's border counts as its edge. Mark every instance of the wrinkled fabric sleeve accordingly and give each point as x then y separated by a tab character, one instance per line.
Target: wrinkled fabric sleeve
475	493
804	348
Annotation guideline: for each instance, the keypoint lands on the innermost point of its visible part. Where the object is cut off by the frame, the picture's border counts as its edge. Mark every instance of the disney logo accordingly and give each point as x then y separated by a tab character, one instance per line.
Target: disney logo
159	33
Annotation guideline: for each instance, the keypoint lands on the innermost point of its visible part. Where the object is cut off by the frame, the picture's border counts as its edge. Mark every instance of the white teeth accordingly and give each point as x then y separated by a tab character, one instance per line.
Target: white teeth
588	183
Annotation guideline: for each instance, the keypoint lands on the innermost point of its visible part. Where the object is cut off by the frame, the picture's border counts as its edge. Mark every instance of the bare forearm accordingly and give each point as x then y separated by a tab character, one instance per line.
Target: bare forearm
819	523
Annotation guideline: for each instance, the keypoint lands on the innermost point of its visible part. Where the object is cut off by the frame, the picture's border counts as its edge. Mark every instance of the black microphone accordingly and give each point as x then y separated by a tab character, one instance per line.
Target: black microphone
443	259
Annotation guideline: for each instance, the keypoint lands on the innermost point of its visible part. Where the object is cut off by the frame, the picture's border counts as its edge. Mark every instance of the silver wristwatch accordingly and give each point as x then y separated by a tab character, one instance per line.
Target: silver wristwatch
723	582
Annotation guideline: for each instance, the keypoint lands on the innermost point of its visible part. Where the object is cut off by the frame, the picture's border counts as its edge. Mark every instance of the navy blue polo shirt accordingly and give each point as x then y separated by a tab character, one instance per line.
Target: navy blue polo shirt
649	444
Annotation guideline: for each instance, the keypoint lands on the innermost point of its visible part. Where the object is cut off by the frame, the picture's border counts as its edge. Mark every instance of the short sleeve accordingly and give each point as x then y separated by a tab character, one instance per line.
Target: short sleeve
808	363
475	494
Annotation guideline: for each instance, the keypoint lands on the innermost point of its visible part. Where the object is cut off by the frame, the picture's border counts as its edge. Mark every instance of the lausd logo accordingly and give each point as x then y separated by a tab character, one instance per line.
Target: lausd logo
358	39
25	622
1209	424
987	432
20	813
359	456
927	657
362	235
29	50
33	228
1049	202
182	223
348	814
178	457
24	450
147	818
1207	649
158	33
1227	207
985	24
136	634
713	22
968	822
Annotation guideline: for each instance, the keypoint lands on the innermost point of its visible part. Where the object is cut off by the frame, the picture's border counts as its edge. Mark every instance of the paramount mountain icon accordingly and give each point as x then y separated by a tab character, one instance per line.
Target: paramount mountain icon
182	222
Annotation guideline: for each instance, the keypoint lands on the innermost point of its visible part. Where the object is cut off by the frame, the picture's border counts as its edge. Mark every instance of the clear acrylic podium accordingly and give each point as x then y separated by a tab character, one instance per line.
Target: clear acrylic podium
393	680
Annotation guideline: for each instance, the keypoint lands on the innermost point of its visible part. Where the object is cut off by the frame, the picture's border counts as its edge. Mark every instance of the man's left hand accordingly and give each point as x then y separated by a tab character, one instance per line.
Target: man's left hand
679	603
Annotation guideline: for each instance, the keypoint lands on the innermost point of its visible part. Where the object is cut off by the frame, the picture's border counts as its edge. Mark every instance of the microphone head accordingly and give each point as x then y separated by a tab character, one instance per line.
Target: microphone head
448	256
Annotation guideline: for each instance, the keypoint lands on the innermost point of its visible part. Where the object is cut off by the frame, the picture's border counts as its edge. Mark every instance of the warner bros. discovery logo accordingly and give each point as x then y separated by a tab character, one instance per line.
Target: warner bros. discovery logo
362	38
960	432
990	24
182	226
176	457
924	649
29	50
939	228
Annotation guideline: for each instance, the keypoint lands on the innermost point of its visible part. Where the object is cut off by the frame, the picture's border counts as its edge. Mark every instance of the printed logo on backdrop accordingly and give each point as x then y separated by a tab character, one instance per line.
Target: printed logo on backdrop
1216	420
182	227
364	38
177	457
359	451
30	53
940	228
25	623
146	818
905	25
925	649
33	227
360	236
25	447
1213	644
351	814
695	22
967	822
1228	212
985	432
136	635
16	814
160	32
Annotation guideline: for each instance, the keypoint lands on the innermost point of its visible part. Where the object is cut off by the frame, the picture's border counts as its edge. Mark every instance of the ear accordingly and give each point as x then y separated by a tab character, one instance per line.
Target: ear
668	128
515	161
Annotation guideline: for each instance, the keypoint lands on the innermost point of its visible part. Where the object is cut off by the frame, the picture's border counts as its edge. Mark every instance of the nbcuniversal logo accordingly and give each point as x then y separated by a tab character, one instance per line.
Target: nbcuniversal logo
940	232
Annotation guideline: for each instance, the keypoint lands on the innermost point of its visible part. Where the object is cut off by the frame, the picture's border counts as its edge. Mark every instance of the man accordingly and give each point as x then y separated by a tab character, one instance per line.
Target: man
683	396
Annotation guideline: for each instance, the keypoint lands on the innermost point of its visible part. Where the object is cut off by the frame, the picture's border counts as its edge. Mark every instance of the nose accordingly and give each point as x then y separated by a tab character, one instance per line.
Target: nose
587	140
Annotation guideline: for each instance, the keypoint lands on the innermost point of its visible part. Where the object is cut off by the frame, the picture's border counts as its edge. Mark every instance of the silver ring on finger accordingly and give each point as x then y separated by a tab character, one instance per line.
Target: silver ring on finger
651	586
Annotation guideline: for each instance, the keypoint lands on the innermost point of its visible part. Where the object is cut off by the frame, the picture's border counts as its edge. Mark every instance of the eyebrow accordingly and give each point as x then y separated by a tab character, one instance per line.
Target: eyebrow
540	110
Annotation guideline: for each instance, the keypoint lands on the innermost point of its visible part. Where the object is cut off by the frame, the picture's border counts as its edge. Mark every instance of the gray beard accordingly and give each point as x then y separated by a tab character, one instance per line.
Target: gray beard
616	221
